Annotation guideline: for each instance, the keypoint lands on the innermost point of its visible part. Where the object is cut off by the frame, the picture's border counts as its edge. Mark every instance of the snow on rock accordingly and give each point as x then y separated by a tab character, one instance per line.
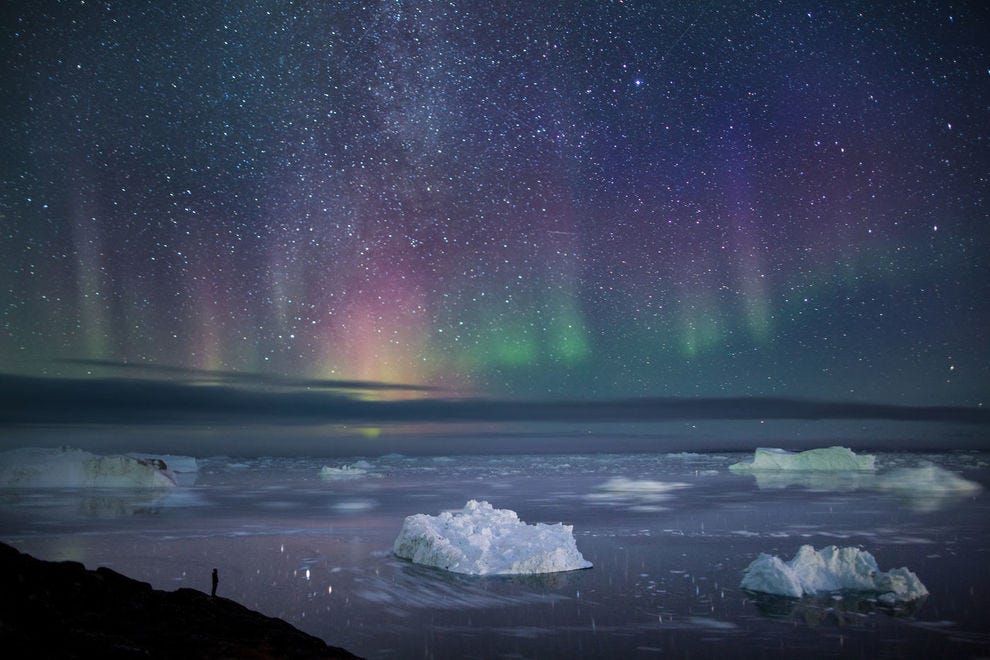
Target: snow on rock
74	468
183	470
831	569
173	462
826	459
482	540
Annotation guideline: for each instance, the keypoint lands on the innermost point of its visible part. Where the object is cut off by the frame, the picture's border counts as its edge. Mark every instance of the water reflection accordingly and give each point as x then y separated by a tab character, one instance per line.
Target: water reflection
63	503
317	554
923	488
413	586
843	609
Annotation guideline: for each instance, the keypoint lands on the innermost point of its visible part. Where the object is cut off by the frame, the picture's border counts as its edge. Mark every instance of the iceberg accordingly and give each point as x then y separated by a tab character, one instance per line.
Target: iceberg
829	459
35	467
482	540
831	569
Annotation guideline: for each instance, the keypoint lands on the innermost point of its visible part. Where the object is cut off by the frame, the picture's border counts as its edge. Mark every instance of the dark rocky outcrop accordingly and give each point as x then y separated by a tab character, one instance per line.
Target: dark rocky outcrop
61	609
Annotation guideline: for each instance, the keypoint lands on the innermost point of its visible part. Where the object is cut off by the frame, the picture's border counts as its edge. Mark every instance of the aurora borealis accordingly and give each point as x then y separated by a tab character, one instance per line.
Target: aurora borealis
519	200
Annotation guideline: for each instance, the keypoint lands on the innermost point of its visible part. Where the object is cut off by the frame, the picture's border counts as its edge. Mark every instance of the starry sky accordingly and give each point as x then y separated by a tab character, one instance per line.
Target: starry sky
510	200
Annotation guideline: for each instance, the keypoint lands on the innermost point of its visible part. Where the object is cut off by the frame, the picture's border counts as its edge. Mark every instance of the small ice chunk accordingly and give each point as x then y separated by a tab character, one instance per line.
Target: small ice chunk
825	459
42	467
831	569
354	471
482	540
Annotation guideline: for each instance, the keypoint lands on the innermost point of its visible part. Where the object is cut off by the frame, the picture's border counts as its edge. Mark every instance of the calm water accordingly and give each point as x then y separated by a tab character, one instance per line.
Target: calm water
667	558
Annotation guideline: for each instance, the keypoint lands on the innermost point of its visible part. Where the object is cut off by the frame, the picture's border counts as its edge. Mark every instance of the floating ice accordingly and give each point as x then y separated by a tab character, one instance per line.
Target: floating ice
74	468
482	540
831	569
827	459
929	478
928	487
638	494
353	471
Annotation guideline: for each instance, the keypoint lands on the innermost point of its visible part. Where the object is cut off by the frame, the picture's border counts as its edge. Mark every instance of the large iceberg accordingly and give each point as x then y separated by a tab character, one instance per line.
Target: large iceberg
482	540
831	569
826	459
34	467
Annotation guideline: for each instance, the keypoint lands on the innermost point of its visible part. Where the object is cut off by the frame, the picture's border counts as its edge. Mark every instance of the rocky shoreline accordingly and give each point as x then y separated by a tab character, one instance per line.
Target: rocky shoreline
62	609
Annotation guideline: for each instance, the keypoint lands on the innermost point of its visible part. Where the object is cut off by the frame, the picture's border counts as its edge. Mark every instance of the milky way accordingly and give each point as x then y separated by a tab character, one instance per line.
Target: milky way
511	199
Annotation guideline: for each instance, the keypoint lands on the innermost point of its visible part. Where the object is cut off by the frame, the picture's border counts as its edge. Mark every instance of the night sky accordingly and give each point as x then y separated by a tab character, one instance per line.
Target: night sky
509	200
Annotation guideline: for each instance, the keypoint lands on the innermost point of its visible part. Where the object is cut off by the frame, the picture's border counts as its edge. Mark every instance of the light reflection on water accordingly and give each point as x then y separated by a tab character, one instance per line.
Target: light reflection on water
668	536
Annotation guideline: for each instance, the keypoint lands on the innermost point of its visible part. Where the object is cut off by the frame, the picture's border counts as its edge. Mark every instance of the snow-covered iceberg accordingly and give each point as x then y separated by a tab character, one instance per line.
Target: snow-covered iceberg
831	569
826	459
34	467
483	540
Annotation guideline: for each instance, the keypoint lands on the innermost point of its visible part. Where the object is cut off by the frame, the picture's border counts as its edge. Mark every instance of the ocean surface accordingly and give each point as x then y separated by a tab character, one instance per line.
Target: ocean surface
669	536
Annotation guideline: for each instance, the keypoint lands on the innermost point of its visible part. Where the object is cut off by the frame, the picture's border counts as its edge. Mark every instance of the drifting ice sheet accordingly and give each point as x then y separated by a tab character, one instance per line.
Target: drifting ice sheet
827	459
482	540
74	468
831	569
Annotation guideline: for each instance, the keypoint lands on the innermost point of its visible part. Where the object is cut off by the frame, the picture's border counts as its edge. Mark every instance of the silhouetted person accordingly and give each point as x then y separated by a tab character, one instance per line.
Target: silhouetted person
216	581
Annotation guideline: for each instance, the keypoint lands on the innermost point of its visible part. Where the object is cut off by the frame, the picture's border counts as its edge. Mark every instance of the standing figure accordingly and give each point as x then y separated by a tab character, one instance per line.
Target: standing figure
216	581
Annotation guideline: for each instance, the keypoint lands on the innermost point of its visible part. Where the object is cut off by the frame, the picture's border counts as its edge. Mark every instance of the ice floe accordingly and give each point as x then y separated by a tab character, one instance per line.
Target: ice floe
482	540
36	467
831	569
824	459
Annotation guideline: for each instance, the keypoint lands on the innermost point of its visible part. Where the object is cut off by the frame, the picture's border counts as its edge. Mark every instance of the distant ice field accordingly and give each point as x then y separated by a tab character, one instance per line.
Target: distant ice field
669	536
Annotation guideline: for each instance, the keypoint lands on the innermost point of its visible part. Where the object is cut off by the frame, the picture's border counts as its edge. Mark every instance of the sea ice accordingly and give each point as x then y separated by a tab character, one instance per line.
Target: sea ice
826	459
74	468
831	569
482	540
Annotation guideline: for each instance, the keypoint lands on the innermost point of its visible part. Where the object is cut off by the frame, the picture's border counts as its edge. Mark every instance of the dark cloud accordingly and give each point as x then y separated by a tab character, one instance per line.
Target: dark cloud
246	378
44	400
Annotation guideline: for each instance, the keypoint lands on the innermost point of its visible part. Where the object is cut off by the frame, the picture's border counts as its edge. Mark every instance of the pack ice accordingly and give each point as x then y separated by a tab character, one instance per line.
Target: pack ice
74	468
831	569
825	459
482	540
